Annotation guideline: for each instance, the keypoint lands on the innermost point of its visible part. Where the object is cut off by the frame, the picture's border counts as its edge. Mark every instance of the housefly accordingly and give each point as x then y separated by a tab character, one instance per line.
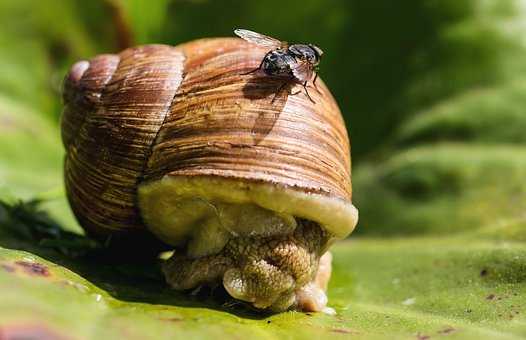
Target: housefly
296	62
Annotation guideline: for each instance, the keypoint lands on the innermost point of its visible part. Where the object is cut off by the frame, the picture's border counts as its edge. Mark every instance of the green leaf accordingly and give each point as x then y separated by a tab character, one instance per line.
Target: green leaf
457	166
441	188
36	48
492	115
380	289
31	157
30	150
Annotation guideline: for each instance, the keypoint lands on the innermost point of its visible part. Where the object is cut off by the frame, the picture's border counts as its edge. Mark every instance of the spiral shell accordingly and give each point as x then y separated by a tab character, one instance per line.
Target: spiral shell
189	113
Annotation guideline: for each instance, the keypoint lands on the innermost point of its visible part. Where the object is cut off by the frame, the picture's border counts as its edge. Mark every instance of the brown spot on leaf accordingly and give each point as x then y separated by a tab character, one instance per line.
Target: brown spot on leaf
343	331
422	336
173	319
7	268
483	272
447	330
33	268
29	332
490	297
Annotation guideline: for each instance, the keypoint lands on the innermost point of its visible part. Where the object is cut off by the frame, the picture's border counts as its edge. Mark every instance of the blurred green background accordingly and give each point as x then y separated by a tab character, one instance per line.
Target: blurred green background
434	96
432	91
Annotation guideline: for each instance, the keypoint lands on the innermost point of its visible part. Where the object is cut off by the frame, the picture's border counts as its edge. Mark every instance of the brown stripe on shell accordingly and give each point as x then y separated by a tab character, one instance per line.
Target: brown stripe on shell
82	88
223	123
106	160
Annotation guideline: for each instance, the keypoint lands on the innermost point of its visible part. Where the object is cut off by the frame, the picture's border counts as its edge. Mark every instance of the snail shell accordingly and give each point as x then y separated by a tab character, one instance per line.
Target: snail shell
161	139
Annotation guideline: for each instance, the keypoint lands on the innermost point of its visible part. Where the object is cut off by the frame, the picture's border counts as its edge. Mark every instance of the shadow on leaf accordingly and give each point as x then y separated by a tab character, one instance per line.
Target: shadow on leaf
25	226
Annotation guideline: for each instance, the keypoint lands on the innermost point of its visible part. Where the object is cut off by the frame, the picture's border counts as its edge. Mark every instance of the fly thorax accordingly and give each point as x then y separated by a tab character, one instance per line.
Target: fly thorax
305	52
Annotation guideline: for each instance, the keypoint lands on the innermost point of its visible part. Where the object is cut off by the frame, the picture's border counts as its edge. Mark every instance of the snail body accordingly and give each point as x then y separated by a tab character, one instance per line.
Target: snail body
178	143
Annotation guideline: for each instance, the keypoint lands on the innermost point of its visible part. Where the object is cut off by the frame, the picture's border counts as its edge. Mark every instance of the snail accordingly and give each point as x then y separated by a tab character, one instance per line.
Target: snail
179	146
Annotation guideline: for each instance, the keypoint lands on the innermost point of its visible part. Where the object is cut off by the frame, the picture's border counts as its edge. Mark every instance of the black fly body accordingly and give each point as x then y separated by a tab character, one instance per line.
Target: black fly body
293	62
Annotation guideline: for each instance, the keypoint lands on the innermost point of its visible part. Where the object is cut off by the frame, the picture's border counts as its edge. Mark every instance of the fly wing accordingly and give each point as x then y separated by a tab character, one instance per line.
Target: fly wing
258	39
303	71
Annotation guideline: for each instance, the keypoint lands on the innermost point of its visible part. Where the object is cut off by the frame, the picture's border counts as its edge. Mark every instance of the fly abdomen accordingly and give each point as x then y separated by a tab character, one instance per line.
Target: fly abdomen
278	63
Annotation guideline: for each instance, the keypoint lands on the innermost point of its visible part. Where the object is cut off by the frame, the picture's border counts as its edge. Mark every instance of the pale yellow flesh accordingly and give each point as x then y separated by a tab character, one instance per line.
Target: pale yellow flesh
175	207
202	214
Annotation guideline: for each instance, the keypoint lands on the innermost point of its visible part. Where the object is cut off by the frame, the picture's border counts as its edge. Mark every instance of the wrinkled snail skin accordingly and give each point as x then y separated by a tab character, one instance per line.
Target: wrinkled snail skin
175	145
265	271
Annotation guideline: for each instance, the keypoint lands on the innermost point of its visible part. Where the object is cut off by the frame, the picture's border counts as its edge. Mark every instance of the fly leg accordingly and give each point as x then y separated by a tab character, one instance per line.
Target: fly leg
314	82
254	70
307	92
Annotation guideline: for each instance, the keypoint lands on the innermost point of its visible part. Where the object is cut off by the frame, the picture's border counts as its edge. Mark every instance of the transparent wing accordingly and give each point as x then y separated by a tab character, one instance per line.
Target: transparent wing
303	71
258	39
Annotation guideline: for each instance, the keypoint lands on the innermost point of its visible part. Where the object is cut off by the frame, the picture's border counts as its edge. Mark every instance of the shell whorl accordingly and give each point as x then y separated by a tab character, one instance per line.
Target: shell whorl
188	110
109	127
